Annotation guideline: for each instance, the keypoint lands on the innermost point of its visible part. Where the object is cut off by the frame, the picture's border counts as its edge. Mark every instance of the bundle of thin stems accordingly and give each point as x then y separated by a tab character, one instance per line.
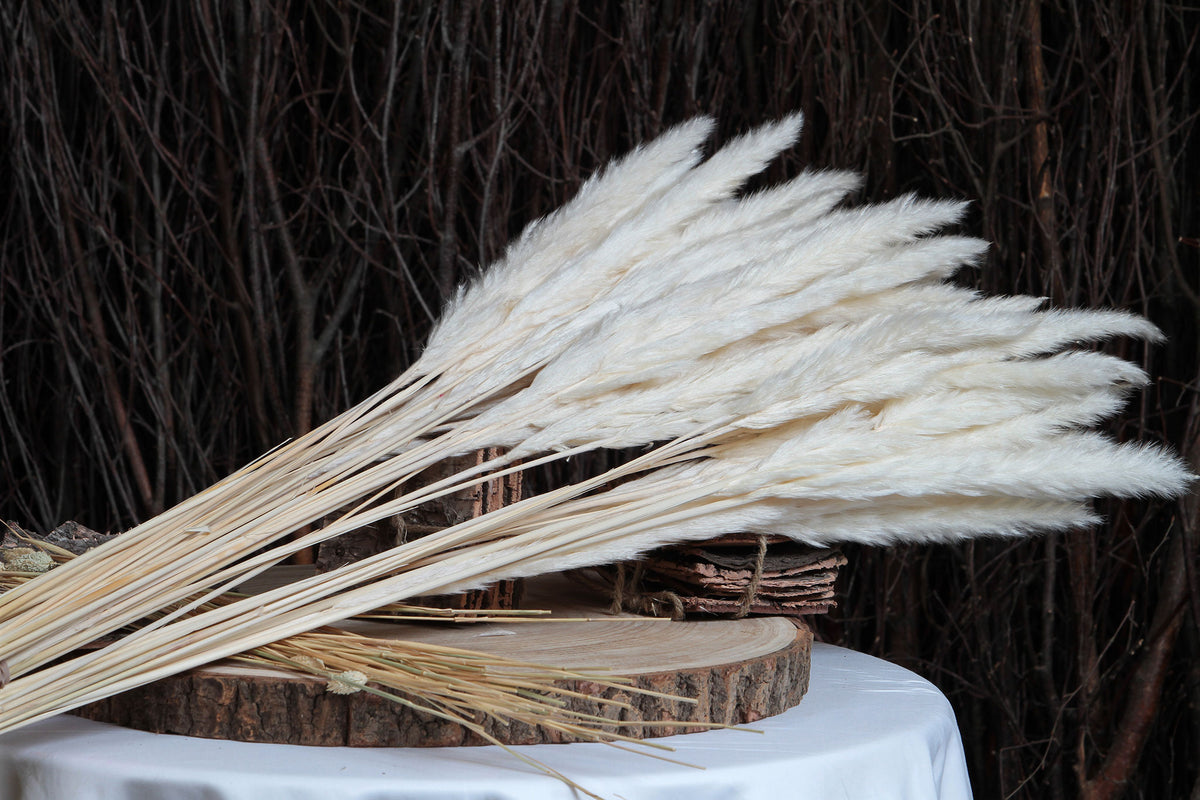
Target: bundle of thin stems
457	684
450	683
794	366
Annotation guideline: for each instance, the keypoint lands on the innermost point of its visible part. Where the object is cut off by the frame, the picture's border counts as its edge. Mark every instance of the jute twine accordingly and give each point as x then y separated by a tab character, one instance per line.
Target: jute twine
628	594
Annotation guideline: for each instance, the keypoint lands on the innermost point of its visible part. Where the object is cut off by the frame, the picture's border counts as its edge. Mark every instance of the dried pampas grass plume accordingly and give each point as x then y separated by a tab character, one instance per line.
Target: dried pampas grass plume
794	365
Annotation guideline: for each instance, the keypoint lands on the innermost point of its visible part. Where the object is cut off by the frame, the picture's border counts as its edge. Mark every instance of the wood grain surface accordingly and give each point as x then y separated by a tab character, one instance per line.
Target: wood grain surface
739	671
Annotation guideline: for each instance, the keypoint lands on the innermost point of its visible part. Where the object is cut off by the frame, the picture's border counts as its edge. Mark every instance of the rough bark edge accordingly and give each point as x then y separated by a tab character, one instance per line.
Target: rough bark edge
298	710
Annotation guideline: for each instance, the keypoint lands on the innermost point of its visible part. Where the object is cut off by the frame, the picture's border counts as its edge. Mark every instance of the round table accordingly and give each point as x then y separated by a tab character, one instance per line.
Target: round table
866	729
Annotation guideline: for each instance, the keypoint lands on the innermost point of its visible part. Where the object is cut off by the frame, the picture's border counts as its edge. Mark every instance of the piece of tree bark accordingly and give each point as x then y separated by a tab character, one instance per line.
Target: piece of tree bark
433	516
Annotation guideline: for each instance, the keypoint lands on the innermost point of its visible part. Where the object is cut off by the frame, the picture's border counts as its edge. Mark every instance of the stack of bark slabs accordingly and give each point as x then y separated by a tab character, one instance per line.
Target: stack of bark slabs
733	575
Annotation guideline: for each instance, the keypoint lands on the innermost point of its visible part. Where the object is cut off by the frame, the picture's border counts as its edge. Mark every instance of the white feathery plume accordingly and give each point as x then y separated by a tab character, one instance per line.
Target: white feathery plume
798	367
609	198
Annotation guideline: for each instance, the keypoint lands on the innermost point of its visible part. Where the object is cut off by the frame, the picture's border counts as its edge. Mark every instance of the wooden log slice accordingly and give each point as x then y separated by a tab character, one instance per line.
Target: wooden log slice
739	671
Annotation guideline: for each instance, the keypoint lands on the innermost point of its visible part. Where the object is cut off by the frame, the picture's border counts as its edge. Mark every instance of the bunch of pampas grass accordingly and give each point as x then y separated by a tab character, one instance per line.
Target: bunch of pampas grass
792	365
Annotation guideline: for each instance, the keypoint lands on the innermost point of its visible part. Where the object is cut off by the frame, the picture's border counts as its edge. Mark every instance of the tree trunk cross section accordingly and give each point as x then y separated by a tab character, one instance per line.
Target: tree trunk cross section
738	671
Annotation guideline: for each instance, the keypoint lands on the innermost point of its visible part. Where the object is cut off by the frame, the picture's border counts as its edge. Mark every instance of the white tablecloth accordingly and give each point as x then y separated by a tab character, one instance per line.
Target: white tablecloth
866	729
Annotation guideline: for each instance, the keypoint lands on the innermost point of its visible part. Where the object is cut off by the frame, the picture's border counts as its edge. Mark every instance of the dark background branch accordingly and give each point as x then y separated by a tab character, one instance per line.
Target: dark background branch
223	222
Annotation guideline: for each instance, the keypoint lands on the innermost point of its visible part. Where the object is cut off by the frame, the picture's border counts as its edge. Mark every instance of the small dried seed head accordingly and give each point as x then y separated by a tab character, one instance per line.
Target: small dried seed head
344	682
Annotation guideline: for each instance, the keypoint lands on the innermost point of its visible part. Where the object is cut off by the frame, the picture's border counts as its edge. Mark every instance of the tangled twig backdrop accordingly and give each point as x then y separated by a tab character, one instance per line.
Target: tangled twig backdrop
225	222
